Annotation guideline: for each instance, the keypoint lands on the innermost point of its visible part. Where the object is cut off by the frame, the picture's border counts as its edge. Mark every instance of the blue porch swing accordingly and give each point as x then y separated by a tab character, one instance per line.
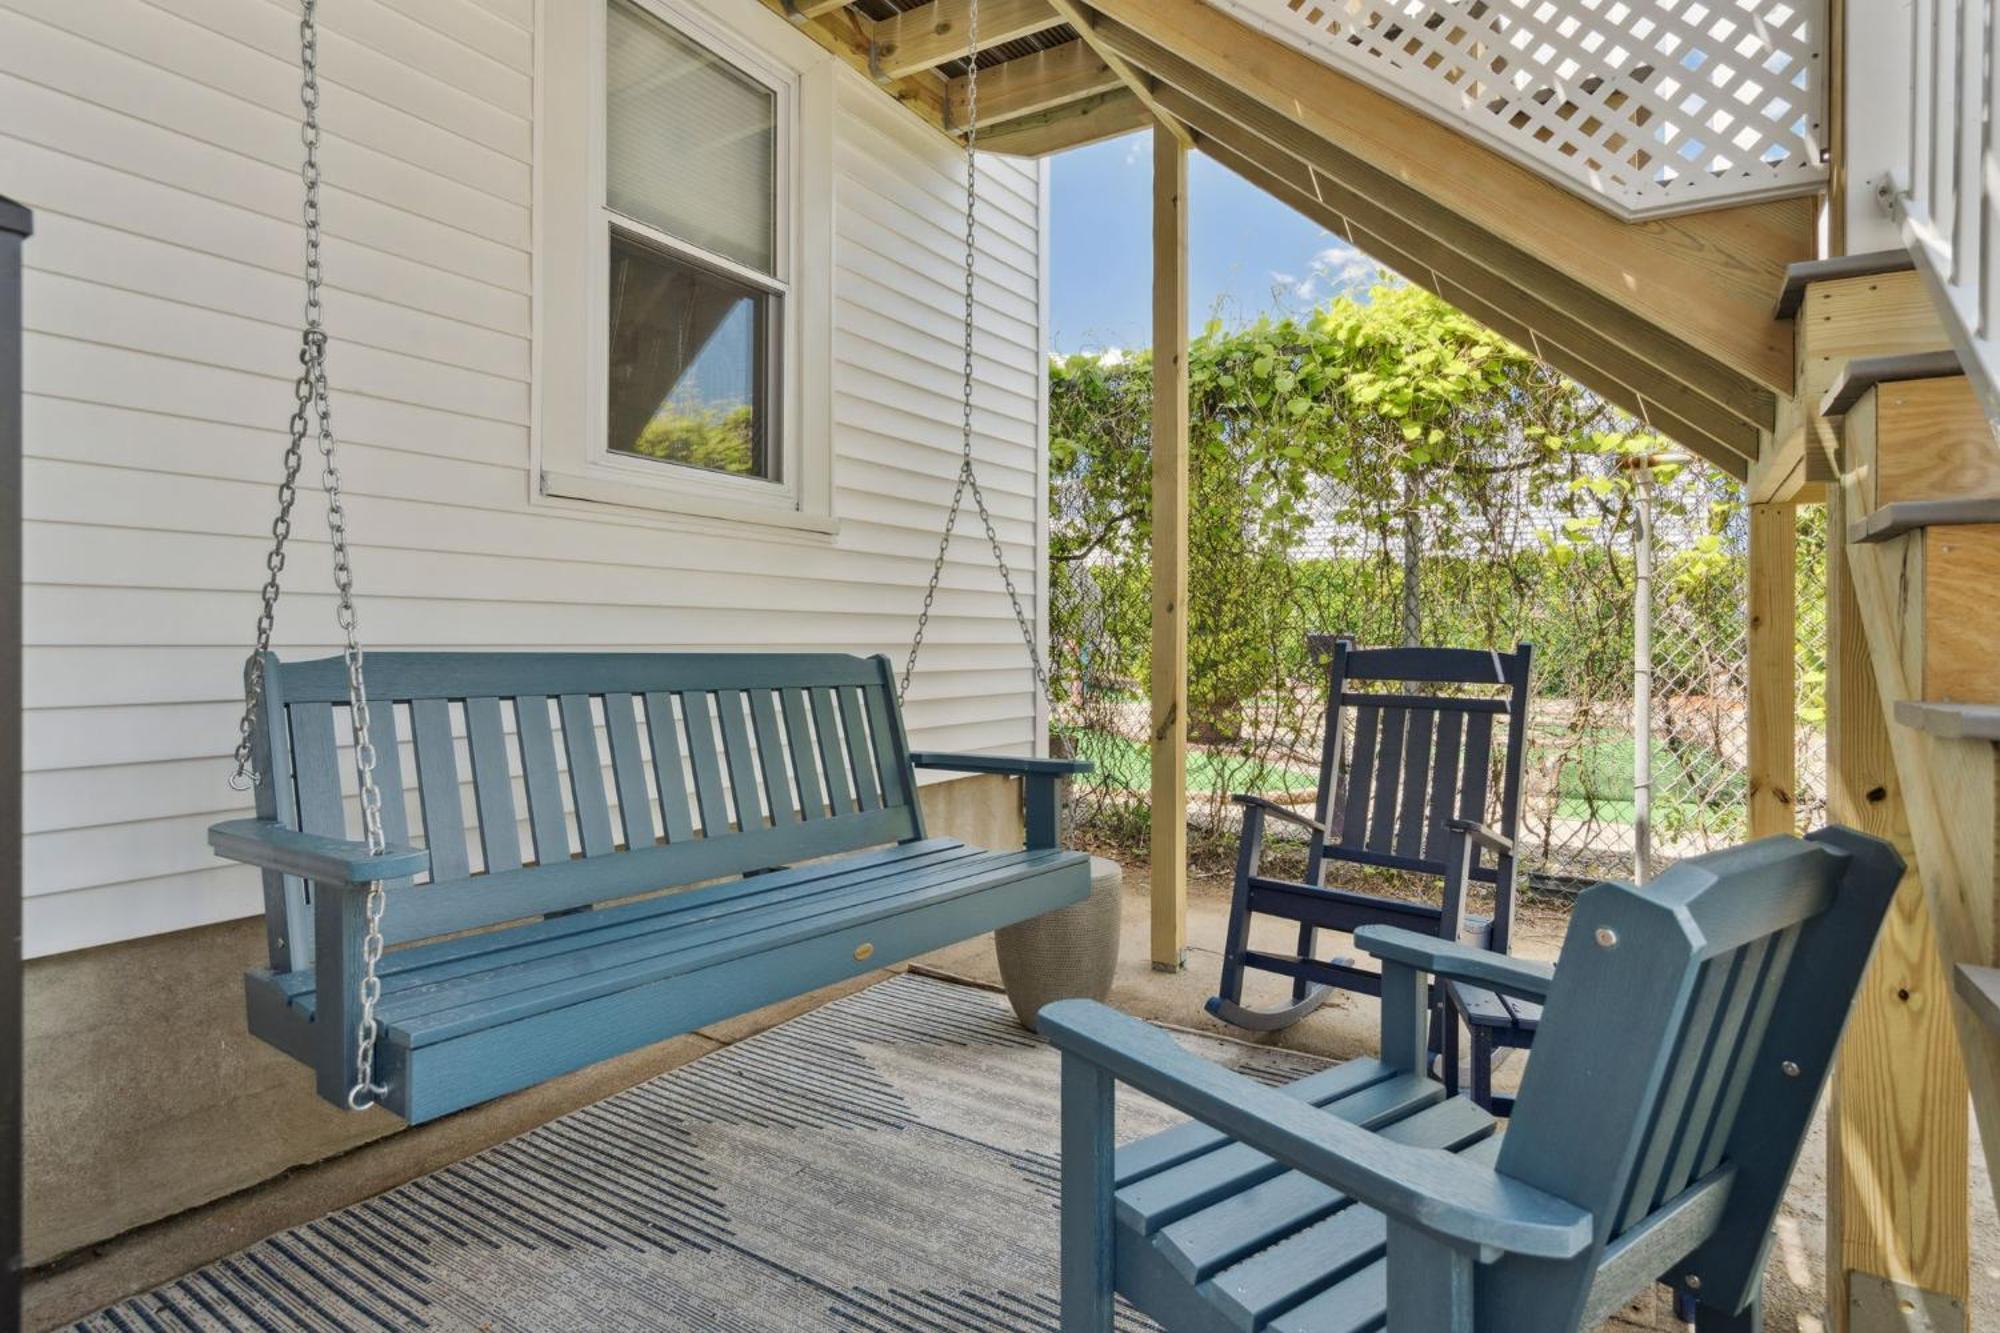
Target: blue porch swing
424	979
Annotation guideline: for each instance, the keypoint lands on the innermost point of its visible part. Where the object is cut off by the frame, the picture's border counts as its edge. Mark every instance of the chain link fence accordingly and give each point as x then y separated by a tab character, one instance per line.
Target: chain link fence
1564	573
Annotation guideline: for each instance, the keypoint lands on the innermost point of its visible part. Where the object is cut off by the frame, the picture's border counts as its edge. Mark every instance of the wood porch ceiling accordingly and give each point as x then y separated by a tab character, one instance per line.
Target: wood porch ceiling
1669	318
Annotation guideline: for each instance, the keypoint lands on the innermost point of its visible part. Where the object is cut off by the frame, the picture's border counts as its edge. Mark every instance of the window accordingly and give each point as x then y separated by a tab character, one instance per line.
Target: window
688	387
696	295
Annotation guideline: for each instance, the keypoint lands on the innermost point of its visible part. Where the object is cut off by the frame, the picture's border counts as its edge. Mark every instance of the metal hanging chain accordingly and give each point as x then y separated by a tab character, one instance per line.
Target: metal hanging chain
313	413
968	478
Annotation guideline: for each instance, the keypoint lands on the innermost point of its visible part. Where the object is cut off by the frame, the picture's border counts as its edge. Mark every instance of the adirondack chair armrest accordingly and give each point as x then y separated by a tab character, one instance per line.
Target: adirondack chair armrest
1466	1204
1026	766
1284	812
272	846
1492	840
1448	960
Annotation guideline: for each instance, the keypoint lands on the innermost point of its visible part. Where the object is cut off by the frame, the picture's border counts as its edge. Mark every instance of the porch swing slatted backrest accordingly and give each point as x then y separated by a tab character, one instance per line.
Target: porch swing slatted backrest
525	772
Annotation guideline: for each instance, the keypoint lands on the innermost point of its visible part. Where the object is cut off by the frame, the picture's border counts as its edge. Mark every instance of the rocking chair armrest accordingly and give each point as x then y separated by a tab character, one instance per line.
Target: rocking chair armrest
1285	812
1468	1204
272	846
1448	960
1012	765
1491	839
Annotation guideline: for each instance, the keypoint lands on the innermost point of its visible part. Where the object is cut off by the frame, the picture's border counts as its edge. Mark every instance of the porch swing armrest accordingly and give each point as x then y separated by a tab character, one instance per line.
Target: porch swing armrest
271	846
1011	765
1040	789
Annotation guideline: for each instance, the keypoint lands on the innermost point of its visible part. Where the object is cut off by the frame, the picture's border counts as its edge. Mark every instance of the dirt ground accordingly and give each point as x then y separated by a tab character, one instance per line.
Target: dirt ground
1346	1026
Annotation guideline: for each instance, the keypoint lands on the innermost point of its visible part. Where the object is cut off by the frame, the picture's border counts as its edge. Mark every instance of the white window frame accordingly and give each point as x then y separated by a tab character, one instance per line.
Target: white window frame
573	223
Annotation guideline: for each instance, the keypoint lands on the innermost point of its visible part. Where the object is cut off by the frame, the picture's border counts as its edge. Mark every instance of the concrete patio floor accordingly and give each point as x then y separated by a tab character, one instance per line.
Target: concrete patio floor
1345	1027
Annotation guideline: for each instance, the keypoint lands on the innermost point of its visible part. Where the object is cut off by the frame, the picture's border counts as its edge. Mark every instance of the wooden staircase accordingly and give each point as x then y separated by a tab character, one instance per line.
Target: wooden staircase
1885	416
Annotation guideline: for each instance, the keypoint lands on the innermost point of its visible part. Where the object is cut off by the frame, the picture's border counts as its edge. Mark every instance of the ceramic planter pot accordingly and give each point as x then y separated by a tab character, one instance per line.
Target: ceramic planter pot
1067	954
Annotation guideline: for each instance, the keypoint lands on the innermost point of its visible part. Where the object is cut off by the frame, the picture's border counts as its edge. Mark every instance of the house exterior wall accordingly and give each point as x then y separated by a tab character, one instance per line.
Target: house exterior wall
157	142
137	1109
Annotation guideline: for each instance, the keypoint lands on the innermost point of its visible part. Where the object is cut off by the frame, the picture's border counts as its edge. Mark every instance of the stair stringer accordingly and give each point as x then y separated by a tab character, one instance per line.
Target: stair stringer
1951	790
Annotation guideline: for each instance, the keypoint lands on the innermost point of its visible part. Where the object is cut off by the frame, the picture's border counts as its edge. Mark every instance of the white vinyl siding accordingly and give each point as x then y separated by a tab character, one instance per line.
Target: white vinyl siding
157	142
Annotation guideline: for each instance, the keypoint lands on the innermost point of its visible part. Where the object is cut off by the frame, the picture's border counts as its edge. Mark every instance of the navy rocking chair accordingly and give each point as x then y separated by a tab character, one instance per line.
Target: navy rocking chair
1405	775
1687	1033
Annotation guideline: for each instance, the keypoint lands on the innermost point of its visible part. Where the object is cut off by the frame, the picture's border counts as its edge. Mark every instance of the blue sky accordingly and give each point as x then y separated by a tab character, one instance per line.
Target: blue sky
1248	254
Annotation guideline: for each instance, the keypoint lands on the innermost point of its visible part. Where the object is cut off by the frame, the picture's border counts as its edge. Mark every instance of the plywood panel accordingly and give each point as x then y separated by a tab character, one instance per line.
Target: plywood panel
1950	452
1961	572
1882	314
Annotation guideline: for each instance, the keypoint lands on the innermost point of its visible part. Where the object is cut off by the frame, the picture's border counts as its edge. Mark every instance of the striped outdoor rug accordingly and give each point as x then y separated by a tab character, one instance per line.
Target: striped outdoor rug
885	1162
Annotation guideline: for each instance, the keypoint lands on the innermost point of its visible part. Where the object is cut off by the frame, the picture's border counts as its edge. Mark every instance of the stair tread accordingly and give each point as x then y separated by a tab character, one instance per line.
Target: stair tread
1979	987
1801	275
1901	516
1865	372
1979	722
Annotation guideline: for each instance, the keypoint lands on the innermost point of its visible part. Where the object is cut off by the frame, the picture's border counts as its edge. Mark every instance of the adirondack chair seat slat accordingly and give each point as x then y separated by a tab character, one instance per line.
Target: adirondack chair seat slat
757	836
1687	1034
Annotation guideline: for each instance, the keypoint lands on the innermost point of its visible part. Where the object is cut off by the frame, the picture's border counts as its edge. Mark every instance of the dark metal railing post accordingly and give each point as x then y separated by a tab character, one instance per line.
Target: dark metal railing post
15	225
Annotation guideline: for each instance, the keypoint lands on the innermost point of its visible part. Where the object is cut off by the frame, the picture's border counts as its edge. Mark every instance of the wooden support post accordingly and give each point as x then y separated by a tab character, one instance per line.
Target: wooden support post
1170	545
1897	1139
1774	606
15	225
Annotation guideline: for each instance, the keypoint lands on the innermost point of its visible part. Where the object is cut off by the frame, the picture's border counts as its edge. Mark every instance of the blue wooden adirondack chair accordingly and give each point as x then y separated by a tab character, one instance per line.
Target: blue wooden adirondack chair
1686	1035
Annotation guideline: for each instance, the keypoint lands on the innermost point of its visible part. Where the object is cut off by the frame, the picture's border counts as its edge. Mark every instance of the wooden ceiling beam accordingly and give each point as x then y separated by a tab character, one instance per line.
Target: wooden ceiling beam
1571	348
930	35
850	35
1544	274
1084	24
1071	125
1032	83
1691	292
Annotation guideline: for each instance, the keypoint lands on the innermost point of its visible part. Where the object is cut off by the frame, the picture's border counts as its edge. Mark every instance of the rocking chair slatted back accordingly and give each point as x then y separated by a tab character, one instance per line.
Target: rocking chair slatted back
1416	760
1711	977
830	777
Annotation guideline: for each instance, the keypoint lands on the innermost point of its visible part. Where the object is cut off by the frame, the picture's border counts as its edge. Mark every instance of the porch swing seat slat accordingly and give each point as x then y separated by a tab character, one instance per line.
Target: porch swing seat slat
810	864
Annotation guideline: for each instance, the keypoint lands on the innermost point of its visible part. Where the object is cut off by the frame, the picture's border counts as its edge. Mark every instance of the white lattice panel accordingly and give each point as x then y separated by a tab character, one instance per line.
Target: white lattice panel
1647	106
